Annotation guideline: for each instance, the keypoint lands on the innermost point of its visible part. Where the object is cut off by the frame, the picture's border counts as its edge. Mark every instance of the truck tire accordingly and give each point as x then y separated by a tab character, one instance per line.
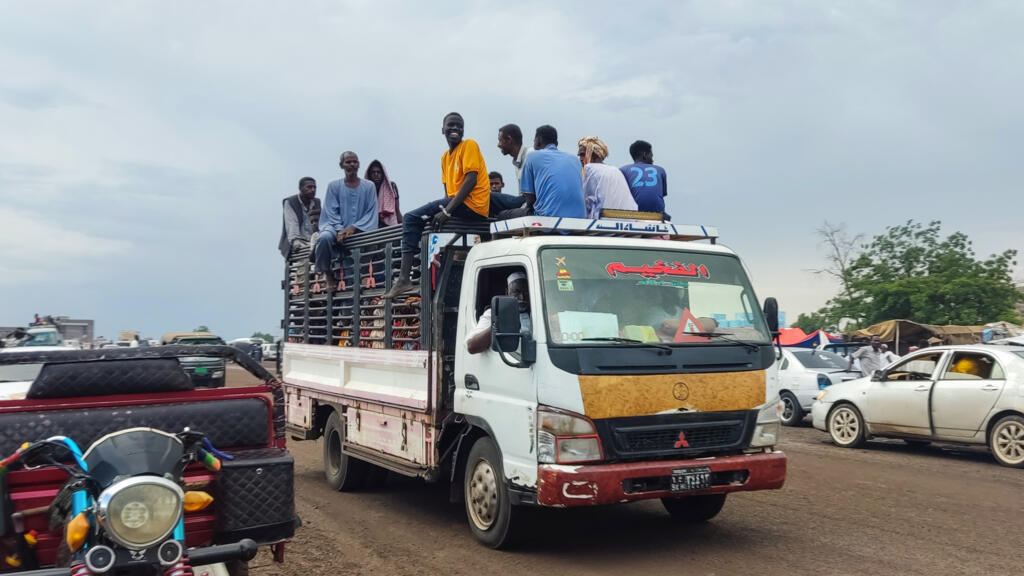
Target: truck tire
488	505
792	413
694	509
343	472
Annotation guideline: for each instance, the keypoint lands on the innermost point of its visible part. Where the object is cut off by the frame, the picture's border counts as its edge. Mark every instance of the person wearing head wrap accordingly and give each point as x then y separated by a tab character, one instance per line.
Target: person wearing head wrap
604	186
479	339
387	194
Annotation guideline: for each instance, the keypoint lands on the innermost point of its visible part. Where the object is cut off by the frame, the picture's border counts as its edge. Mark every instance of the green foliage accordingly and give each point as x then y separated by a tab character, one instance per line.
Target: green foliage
820	320
202	328
263	336
911	272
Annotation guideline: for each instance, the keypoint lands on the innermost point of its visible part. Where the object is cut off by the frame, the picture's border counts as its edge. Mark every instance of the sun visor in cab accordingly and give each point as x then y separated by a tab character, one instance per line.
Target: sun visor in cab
107	377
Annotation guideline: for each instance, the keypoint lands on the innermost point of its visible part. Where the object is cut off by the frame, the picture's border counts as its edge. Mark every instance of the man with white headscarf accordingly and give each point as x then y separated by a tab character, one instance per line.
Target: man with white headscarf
603	186
479	339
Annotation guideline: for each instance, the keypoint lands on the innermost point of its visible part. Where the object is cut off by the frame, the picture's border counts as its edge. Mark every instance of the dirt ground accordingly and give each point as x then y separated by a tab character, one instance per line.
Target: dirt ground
885	509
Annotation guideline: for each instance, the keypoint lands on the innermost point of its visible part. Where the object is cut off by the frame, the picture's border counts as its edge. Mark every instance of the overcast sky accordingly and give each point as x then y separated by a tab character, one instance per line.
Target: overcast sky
145	146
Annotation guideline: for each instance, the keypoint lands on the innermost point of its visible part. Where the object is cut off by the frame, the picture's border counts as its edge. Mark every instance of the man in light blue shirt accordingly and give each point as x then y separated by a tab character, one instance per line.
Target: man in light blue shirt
349	207
552	180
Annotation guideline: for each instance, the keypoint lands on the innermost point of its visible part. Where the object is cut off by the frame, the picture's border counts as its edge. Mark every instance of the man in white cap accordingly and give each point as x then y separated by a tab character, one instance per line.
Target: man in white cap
479	340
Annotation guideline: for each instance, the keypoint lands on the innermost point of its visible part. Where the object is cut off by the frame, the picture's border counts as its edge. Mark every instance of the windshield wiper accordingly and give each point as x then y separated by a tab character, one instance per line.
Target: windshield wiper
629	341
746	343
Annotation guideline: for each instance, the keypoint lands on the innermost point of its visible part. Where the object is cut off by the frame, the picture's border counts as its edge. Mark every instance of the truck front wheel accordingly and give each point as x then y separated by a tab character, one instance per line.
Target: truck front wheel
344	473
488	507
694	509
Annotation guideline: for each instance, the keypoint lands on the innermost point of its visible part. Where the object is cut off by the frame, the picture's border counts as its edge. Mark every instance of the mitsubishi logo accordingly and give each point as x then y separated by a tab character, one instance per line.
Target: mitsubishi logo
682	443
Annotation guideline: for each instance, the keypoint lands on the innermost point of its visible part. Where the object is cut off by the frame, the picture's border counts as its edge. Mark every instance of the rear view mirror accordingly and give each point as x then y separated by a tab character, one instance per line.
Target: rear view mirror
771	315
505	327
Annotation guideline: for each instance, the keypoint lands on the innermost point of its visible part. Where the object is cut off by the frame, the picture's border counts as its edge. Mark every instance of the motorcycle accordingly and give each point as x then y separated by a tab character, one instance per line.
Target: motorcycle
123	505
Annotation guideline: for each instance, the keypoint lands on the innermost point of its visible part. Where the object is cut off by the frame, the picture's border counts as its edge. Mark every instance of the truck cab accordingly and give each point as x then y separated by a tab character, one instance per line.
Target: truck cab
638	365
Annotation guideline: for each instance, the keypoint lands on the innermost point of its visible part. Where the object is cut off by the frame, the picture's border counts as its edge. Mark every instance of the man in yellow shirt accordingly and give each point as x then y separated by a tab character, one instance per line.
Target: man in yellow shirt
467	196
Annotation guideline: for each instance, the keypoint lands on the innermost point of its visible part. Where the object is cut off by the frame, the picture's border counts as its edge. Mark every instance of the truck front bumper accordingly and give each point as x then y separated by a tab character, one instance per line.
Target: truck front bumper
593	484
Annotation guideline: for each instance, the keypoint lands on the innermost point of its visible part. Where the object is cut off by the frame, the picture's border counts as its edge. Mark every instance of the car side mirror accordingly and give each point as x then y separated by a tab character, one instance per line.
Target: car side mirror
771	315
507	333
878	376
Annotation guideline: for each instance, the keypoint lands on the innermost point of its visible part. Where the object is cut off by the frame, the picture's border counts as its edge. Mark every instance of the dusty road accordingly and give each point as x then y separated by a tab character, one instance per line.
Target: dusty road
886	509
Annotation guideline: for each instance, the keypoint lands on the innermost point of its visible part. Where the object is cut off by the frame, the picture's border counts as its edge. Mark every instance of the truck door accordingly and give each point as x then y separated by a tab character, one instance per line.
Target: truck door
490	393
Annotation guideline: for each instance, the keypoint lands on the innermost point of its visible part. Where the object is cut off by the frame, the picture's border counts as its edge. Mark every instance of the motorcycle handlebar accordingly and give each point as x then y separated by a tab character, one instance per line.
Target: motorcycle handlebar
245	550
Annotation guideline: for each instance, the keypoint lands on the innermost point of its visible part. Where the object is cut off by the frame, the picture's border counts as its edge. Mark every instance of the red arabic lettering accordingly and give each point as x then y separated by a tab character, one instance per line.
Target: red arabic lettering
660	269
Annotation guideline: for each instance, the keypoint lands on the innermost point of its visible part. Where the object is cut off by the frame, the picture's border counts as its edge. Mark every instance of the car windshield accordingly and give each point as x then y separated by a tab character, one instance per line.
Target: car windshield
820	359
601	296
19	372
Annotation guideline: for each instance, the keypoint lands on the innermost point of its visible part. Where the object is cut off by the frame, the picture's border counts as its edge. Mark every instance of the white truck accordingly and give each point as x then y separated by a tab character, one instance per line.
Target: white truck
640	367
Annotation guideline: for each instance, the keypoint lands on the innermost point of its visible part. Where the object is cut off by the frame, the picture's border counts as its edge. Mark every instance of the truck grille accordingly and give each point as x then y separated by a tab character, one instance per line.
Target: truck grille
659	435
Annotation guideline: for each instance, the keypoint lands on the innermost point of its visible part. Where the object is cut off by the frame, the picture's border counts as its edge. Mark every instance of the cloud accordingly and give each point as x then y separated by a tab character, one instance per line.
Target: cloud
156	141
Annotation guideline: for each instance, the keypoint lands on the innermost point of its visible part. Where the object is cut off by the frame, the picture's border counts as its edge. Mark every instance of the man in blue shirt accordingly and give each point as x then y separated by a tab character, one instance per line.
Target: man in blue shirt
552	180
646	180
349	207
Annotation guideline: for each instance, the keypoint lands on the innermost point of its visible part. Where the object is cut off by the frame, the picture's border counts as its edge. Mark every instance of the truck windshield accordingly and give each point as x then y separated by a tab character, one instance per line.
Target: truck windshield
611	297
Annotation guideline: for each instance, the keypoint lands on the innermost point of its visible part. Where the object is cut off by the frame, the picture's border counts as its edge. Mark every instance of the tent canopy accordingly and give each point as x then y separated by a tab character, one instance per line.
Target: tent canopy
797	337
911	333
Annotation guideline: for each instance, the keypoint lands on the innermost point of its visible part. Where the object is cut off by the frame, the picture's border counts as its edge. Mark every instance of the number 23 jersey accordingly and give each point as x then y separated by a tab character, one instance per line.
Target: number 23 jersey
647	184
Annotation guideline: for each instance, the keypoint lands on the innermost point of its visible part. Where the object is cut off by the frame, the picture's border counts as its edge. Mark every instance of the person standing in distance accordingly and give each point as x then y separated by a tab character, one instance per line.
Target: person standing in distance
646	180
467	191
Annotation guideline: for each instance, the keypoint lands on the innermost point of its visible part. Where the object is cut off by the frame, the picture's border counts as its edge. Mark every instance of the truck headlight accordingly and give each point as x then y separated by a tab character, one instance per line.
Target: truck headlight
141	511
565	438
766	431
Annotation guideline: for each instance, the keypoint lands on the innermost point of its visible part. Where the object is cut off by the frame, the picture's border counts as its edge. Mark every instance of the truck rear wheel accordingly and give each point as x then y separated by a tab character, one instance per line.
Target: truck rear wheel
488	507
343	472
694	509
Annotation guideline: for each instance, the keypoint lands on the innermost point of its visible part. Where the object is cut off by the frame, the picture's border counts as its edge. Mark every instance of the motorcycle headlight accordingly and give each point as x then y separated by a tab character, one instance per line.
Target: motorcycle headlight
141	511
766	432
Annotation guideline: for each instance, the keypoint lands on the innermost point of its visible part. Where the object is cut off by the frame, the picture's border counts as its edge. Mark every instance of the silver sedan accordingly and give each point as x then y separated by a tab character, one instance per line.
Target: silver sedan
971	394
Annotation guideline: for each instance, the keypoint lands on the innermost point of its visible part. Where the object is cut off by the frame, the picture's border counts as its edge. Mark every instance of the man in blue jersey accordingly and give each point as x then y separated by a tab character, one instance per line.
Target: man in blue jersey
552	180
646	180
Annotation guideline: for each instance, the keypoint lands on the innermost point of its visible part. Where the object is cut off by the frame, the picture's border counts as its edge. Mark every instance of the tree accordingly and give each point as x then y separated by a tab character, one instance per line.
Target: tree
263	336
202	328
911	272
819	320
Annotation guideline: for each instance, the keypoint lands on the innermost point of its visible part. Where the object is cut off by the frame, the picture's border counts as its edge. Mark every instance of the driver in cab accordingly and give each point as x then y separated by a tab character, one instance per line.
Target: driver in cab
479	339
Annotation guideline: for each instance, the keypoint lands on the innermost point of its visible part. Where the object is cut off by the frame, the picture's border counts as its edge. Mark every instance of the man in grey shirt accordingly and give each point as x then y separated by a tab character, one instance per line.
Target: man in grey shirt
300	212
870	357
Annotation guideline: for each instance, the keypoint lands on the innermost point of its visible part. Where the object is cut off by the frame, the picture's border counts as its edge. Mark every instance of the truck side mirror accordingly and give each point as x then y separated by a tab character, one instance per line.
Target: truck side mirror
506	333
505	325
771	315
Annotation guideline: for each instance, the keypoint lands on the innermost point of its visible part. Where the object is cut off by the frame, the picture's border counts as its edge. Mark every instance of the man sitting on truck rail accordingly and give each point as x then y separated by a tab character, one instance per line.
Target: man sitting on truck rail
479	340
604	186
298	227
552	179
467	191
350	206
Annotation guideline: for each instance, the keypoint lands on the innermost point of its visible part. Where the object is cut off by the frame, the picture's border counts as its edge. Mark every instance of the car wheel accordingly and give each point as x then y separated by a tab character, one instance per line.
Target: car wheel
846	426
343	472
1006	440
792	414
694	509
488	505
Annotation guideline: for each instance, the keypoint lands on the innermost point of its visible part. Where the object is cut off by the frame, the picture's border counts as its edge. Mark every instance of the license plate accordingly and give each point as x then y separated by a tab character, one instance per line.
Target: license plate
689	479
200	369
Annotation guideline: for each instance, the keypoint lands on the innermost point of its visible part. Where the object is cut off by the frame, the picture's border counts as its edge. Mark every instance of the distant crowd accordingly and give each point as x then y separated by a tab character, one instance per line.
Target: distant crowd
550	182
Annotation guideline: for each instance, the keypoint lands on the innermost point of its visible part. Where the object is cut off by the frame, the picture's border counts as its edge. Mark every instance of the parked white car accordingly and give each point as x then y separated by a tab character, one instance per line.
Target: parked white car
972	394
803	372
